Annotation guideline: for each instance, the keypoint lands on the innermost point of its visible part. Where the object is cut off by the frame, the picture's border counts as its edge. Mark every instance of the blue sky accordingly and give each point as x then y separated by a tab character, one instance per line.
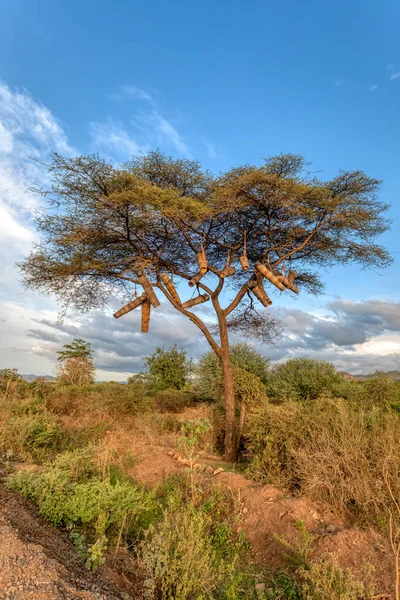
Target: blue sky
224	82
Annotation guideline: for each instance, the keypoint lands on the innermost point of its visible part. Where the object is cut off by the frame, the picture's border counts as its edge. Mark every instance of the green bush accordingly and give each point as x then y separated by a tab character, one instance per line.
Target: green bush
302	379
69	492
191	556
208	381
34	436
168	369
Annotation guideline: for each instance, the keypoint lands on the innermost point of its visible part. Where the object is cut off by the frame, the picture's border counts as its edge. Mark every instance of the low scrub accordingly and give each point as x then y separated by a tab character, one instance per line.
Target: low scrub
331	450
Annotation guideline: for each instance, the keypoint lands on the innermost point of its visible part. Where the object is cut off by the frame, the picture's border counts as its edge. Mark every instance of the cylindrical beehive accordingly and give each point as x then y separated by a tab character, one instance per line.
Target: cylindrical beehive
287	283
202	260
228	271
128	307
270	276
291	276
194	301
170	287
196	278
146	306
148	288
261	295
244	261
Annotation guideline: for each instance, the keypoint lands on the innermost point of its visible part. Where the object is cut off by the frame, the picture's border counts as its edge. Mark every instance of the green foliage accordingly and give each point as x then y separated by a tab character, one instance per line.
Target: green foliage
325	579
34	436
189	557
208	383
168	369
302	379
382	390
77	349
68	495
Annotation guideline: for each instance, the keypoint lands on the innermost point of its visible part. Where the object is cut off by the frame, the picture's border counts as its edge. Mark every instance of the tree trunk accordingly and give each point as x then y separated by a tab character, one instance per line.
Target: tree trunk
230	438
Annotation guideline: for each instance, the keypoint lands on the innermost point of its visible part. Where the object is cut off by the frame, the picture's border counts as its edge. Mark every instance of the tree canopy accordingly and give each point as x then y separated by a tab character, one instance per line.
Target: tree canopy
156	220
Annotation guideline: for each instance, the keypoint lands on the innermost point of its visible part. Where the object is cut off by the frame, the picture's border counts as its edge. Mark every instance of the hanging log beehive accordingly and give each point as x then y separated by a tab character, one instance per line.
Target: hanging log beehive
287	283
258	290
130	306
291	276
146	306
196	278
171	288
270	276
148	288
244	261
202	260
194	301
228	271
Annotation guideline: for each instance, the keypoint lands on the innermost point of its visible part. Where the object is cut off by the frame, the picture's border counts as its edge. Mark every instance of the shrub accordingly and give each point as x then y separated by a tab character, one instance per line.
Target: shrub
302	379
112	399
189	556
174	401
76	371
330	450
168	369
31	436
208	383
69	492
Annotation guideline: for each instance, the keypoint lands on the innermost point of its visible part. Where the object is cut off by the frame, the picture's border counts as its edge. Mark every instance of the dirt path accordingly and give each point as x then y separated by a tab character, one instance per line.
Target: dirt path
38	562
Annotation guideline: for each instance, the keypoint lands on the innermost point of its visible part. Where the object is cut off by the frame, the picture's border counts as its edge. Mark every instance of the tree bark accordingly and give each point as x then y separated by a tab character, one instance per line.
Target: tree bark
230	438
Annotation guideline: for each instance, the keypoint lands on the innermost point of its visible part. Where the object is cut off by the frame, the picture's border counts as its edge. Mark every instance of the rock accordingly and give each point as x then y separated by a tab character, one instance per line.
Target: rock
260	587
176	456
171	453
180	460
209	469
219	470
202	468
186	462
196	466
245	510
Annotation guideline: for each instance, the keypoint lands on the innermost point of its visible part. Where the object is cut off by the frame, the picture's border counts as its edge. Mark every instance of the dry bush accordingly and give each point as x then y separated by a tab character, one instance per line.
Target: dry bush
76	371
332	451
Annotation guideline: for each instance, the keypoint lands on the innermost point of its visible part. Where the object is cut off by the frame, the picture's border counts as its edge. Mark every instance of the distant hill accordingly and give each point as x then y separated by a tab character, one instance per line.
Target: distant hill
32	377
395	375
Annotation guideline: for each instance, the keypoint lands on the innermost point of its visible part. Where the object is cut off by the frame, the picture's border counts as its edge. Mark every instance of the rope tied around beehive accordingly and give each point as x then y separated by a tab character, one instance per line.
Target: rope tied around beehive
195	279
129	306
197	300
171	288
288	284
270	276
228	271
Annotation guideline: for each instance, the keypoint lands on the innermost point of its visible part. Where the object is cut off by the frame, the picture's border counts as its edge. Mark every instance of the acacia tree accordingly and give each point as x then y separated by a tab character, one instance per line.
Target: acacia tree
155	219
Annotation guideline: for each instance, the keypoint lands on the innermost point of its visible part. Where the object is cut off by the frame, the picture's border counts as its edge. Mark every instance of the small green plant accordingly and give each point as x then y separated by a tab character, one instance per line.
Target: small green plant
93	554
325	579
188	442
299	551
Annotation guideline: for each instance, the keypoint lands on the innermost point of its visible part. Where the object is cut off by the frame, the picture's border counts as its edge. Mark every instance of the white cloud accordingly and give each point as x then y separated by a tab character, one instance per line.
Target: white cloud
136	93
372	87
393	71
112	137
147	129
